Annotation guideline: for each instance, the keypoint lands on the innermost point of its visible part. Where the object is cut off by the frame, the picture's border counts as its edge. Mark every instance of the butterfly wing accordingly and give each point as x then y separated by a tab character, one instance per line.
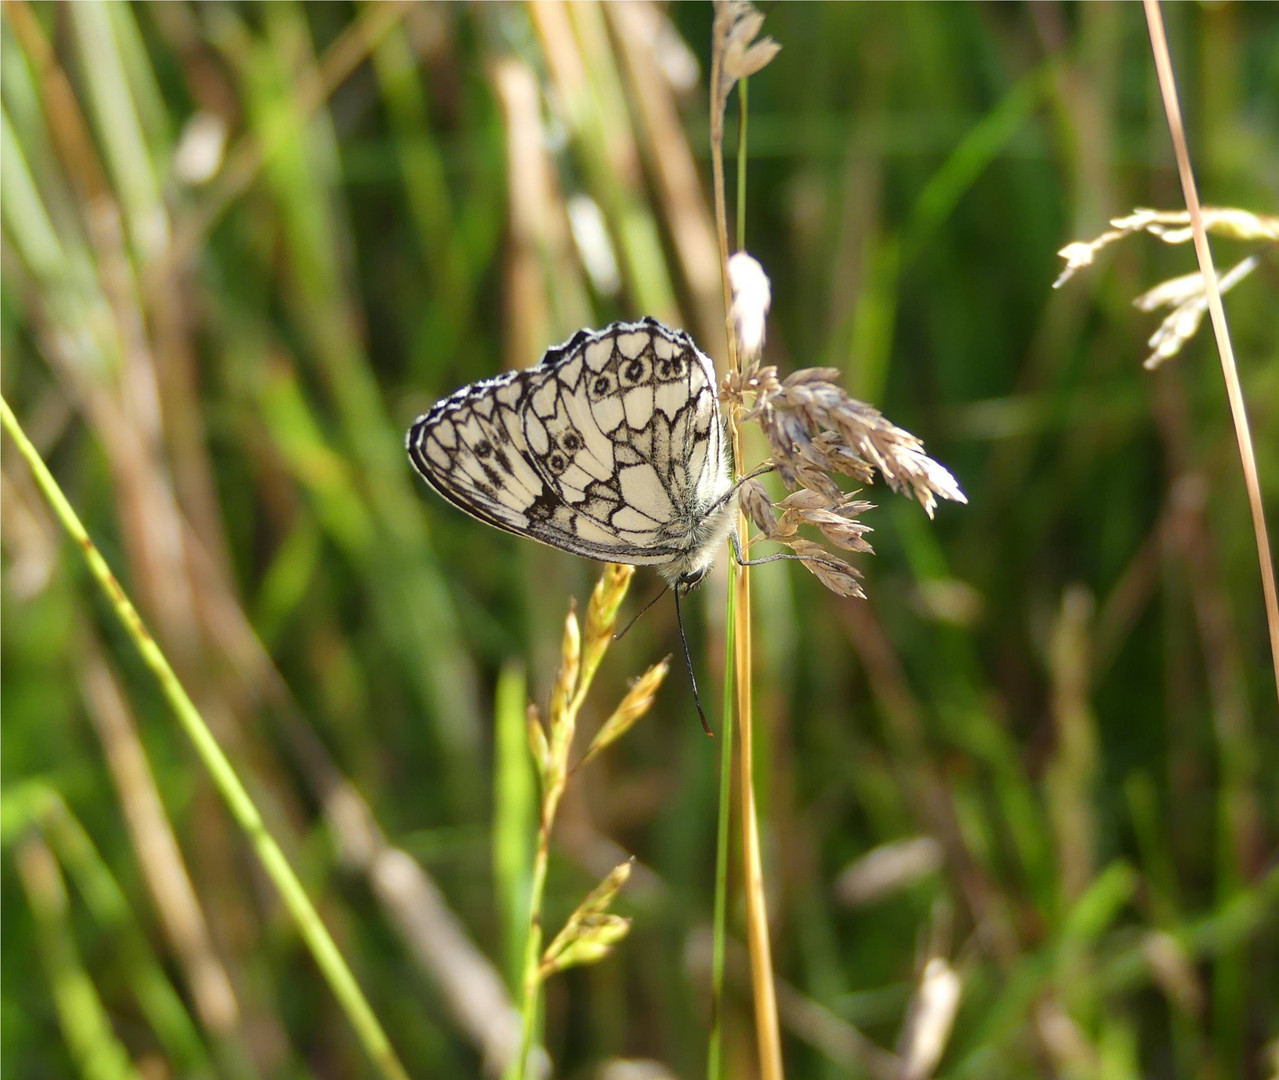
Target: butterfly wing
611	448
470	447
623	425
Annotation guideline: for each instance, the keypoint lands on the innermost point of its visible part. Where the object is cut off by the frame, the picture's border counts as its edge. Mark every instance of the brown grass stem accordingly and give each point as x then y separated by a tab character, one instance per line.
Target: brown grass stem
767	1031
1225	350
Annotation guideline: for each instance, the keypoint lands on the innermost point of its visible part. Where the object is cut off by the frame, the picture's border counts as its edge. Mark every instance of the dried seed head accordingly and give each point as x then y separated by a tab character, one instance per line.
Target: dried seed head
803	499
1172	227
737	25
837	575
1188	298
929	1019
838	529
815	431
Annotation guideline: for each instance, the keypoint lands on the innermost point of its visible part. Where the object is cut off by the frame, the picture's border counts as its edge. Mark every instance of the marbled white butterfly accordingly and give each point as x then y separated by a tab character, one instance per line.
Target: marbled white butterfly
612	447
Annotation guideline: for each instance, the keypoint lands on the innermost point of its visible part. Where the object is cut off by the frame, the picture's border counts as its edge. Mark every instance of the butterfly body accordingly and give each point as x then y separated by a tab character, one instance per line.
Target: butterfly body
612	448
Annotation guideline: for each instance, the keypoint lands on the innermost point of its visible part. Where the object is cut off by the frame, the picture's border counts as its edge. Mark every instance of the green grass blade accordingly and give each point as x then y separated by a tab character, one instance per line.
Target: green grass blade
306	918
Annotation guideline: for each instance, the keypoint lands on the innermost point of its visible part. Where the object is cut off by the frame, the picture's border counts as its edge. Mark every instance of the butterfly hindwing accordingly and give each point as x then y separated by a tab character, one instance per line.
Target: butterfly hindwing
623	426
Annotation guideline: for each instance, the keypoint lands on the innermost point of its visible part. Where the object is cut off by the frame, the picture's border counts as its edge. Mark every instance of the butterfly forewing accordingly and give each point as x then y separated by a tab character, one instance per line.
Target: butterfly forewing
470	448
611	448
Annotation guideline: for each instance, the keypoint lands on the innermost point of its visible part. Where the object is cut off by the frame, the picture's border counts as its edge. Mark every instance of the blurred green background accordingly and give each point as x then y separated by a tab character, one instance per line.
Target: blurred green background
244	245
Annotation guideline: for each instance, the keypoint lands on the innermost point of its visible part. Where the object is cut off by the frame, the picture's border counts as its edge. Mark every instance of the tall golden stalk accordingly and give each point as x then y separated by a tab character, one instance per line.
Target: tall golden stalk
733	56
1225	350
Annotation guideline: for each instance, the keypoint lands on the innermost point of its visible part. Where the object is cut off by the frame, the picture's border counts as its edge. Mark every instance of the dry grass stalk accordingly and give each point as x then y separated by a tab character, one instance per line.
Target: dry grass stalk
1173	971
888	869
1225	349
734	55
660	68
159	856
592	930
814	431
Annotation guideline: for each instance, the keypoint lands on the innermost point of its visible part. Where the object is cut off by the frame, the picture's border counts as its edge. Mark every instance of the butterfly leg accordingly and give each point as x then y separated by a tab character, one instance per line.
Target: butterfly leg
780	556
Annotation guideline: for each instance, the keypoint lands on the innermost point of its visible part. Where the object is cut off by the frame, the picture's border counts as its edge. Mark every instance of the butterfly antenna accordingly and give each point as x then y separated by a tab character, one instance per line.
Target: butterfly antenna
635	618
688	663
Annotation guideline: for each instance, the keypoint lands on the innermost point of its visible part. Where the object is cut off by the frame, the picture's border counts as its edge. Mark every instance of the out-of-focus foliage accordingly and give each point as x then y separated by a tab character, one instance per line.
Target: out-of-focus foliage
244	245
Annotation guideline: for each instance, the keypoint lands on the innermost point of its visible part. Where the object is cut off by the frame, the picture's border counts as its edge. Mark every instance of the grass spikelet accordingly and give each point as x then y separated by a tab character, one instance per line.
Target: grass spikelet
633	706
601	615
537	744
816	431
591	930
1186	295
563	717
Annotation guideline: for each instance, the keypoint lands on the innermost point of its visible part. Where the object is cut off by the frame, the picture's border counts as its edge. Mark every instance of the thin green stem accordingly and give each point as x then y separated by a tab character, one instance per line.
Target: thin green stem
714	1063
307	919
532	981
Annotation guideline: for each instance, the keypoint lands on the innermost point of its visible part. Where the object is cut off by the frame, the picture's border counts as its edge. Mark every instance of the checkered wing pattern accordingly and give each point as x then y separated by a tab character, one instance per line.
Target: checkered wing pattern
611	448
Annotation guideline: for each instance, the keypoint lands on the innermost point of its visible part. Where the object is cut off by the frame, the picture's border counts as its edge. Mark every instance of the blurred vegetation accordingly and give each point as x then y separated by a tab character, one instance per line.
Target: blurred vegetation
244	245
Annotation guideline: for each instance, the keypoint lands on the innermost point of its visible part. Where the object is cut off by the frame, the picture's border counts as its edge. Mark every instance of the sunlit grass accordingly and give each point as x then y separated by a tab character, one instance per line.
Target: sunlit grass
1055	700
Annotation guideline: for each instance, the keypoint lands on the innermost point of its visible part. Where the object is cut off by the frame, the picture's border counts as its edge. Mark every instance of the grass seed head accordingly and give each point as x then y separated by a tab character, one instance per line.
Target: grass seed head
601	612
817	431
591	931
570	665
637	702
1186	294
537	743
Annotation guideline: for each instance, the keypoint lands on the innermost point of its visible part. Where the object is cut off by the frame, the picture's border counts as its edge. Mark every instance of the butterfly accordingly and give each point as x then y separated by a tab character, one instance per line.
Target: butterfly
612	448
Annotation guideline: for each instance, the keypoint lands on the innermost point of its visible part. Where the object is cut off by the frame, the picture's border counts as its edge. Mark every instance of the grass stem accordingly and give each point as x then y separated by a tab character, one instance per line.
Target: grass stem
322	946
714	1053
766	1023
1225	350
